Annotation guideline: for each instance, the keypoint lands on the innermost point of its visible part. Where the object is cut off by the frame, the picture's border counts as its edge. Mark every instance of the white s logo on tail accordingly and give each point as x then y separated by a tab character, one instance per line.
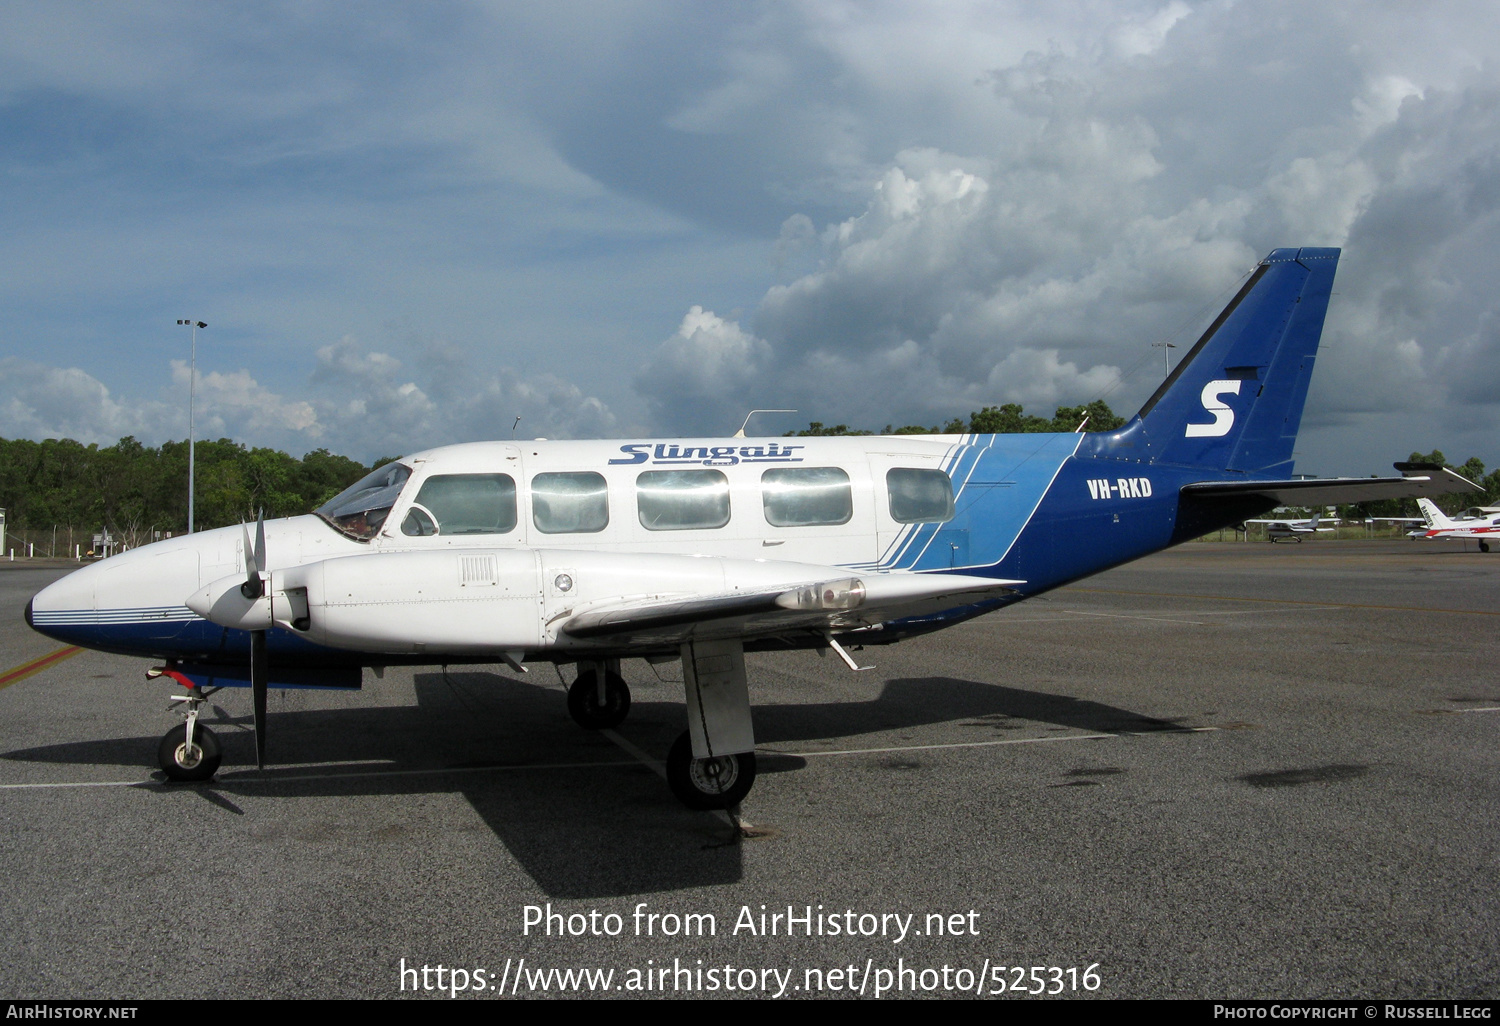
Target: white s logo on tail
1223	415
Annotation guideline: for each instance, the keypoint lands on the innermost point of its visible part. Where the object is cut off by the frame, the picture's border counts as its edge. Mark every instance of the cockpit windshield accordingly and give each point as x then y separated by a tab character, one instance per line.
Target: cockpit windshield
361	509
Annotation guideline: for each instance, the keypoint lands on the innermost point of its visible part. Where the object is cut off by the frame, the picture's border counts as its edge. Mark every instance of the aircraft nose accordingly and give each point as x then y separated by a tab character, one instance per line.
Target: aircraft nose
28	613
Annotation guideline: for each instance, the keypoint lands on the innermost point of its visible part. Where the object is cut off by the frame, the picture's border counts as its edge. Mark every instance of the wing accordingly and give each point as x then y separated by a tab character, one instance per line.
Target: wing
832	605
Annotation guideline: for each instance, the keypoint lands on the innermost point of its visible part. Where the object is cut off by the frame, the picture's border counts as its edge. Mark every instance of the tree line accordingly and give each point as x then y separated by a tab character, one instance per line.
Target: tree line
1473	469
138	492
1009	419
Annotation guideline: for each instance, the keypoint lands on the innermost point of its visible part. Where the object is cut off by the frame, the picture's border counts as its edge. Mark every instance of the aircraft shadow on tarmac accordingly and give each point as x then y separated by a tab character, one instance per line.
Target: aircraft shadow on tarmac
594	822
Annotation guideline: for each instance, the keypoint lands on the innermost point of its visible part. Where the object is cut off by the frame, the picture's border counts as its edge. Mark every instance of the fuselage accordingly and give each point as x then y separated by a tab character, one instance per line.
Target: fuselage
477	548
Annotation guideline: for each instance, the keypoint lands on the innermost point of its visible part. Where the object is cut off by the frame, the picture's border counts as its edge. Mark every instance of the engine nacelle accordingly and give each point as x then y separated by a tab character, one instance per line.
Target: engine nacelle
403	603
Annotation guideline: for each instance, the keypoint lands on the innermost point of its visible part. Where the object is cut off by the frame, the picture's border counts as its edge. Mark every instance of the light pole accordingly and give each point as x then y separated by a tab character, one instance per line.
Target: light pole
192	405
1166	348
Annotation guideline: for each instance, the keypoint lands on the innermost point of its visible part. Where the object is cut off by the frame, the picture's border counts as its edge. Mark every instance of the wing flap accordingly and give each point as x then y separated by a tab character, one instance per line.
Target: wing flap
842	604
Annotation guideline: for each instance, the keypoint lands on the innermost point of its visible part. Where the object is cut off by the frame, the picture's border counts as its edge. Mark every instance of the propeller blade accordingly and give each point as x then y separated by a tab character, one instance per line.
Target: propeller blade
258	687
252	589
260	541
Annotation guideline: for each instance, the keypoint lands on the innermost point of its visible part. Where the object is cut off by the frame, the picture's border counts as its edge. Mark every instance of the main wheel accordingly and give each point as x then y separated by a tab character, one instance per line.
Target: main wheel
715	783
179	762
586	709
1484	546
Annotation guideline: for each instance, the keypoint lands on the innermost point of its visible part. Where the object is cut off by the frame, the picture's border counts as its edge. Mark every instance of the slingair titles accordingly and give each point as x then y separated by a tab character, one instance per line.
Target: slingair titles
672	454
1120	488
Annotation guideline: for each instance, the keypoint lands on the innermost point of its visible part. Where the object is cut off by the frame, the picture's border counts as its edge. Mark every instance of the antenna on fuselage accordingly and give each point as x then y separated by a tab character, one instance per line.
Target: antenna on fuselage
741	432
514	426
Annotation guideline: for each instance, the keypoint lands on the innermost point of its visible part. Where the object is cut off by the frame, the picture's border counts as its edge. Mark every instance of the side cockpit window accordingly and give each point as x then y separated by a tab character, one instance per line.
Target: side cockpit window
462	504
919	496
361	509
576	503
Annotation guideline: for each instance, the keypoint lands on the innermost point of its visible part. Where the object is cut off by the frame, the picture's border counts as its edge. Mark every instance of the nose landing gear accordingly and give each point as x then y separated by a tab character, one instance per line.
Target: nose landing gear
188	751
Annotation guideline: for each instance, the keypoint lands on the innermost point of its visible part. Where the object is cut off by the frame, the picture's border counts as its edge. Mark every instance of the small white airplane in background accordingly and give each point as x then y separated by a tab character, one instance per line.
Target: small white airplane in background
1280	530
584	553
1480	523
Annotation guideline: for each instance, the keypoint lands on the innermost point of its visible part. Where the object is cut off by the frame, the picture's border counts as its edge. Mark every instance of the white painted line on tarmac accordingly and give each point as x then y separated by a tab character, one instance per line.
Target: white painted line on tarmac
654	765
257	777
992	744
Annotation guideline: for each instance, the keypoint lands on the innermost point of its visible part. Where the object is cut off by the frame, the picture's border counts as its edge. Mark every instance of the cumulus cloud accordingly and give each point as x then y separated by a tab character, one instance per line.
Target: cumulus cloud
1121	181
363	403
870	212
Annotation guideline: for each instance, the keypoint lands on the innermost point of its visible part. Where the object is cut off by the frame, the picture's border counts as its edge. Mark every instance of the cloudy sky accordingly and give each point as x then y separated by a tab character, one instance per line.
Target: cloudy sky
408	224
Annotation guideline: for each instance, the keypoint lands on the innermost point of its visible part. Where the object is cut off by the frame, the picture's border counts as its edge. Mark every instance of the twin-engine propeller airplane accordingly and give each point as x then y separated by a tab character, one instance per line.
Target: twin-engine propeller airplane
590	552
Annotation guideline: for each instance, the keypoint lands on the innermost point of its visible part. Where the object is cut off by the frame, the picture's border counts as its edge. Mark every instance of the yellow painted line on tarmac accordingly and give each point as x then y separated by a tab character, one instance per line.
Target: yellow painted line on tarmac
1281	602
37	665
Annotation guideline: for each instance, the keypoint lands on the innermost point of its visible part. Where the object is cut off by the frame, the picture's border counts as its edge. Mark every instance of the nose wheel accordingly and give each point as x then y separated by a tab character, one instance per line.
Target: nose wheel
187	760
599	699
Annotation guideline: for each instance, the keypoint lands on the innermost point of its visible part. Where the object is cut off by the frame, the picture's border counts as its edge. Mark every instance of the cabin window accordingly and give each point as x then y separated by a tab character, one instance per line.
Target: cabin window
682	500
462	504
806	496
569	503
361	509
919	496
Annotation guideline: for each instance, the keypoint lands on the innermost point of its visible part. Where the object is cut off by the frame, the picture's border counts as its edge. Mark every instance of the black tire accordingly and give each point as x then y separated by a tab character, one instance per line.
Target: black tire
1484	546
583	701
708	783
178	764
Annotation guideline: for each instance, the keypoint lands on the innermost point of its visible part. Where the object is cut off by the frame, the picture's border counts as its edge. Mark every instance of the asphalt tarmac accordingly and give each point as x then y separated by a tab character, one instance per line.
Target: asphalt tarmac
1226	771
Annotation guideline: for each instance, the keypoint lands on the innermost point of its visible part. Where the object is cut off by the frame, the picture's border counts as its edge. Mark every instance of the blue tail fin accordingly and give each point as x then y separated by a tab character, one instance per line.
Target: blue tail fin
1235	401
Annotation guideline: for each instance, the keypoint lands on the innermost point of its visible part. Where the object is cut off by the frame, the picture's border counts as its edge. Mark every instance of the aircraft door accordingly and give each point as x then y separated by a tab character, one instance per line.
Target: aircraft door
914	513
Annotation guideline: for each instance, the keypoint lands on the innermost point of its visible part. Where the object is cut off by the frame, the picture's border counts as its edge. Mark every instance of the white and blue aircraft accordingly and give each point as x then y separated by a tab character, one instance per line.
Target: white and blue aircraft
589	552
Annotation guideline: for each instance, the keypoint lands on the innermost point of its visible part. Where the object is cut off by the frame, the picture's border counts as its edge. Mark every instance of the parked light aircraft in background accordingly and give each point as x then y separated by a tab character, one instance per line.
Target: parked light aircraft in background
589	552
1481	523
1278	530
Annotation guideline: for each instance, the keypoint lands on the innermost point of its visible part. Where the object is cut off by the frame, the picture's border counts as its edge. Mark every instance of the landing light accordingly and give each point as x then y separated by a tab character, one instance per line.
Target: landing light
844	594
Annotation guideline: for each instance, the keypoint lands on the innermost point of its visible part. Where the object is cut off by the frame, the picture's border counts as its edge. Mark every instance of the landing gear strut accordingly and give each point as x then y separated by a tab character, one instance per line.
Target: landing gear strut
599	699
189	751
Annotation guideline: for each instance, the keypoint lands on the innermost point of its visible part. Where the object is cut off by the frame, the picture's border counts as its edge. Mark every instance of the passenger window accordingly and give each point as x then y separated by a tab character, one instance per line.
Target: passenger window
682	500
919	496
463	504
569	503
806	496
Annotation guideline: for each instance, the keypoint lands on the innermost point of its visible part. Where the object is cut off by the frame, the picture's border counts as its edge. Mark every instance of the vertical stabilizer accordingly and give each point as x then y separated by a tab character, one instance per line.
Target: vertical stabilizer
1235	401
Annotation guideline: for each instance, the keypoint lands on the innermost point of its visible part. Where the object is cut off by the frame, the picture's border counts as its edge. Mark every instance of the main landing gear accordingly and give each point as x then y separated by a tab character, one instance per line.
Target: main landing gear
599	699
713	783
189	751
712	764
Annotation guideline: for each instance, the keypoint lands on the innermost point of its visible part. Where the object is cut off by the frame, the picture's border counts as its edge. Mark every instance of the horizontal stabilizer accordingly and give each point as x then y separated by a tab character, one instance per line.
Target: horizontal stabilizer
1331	491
